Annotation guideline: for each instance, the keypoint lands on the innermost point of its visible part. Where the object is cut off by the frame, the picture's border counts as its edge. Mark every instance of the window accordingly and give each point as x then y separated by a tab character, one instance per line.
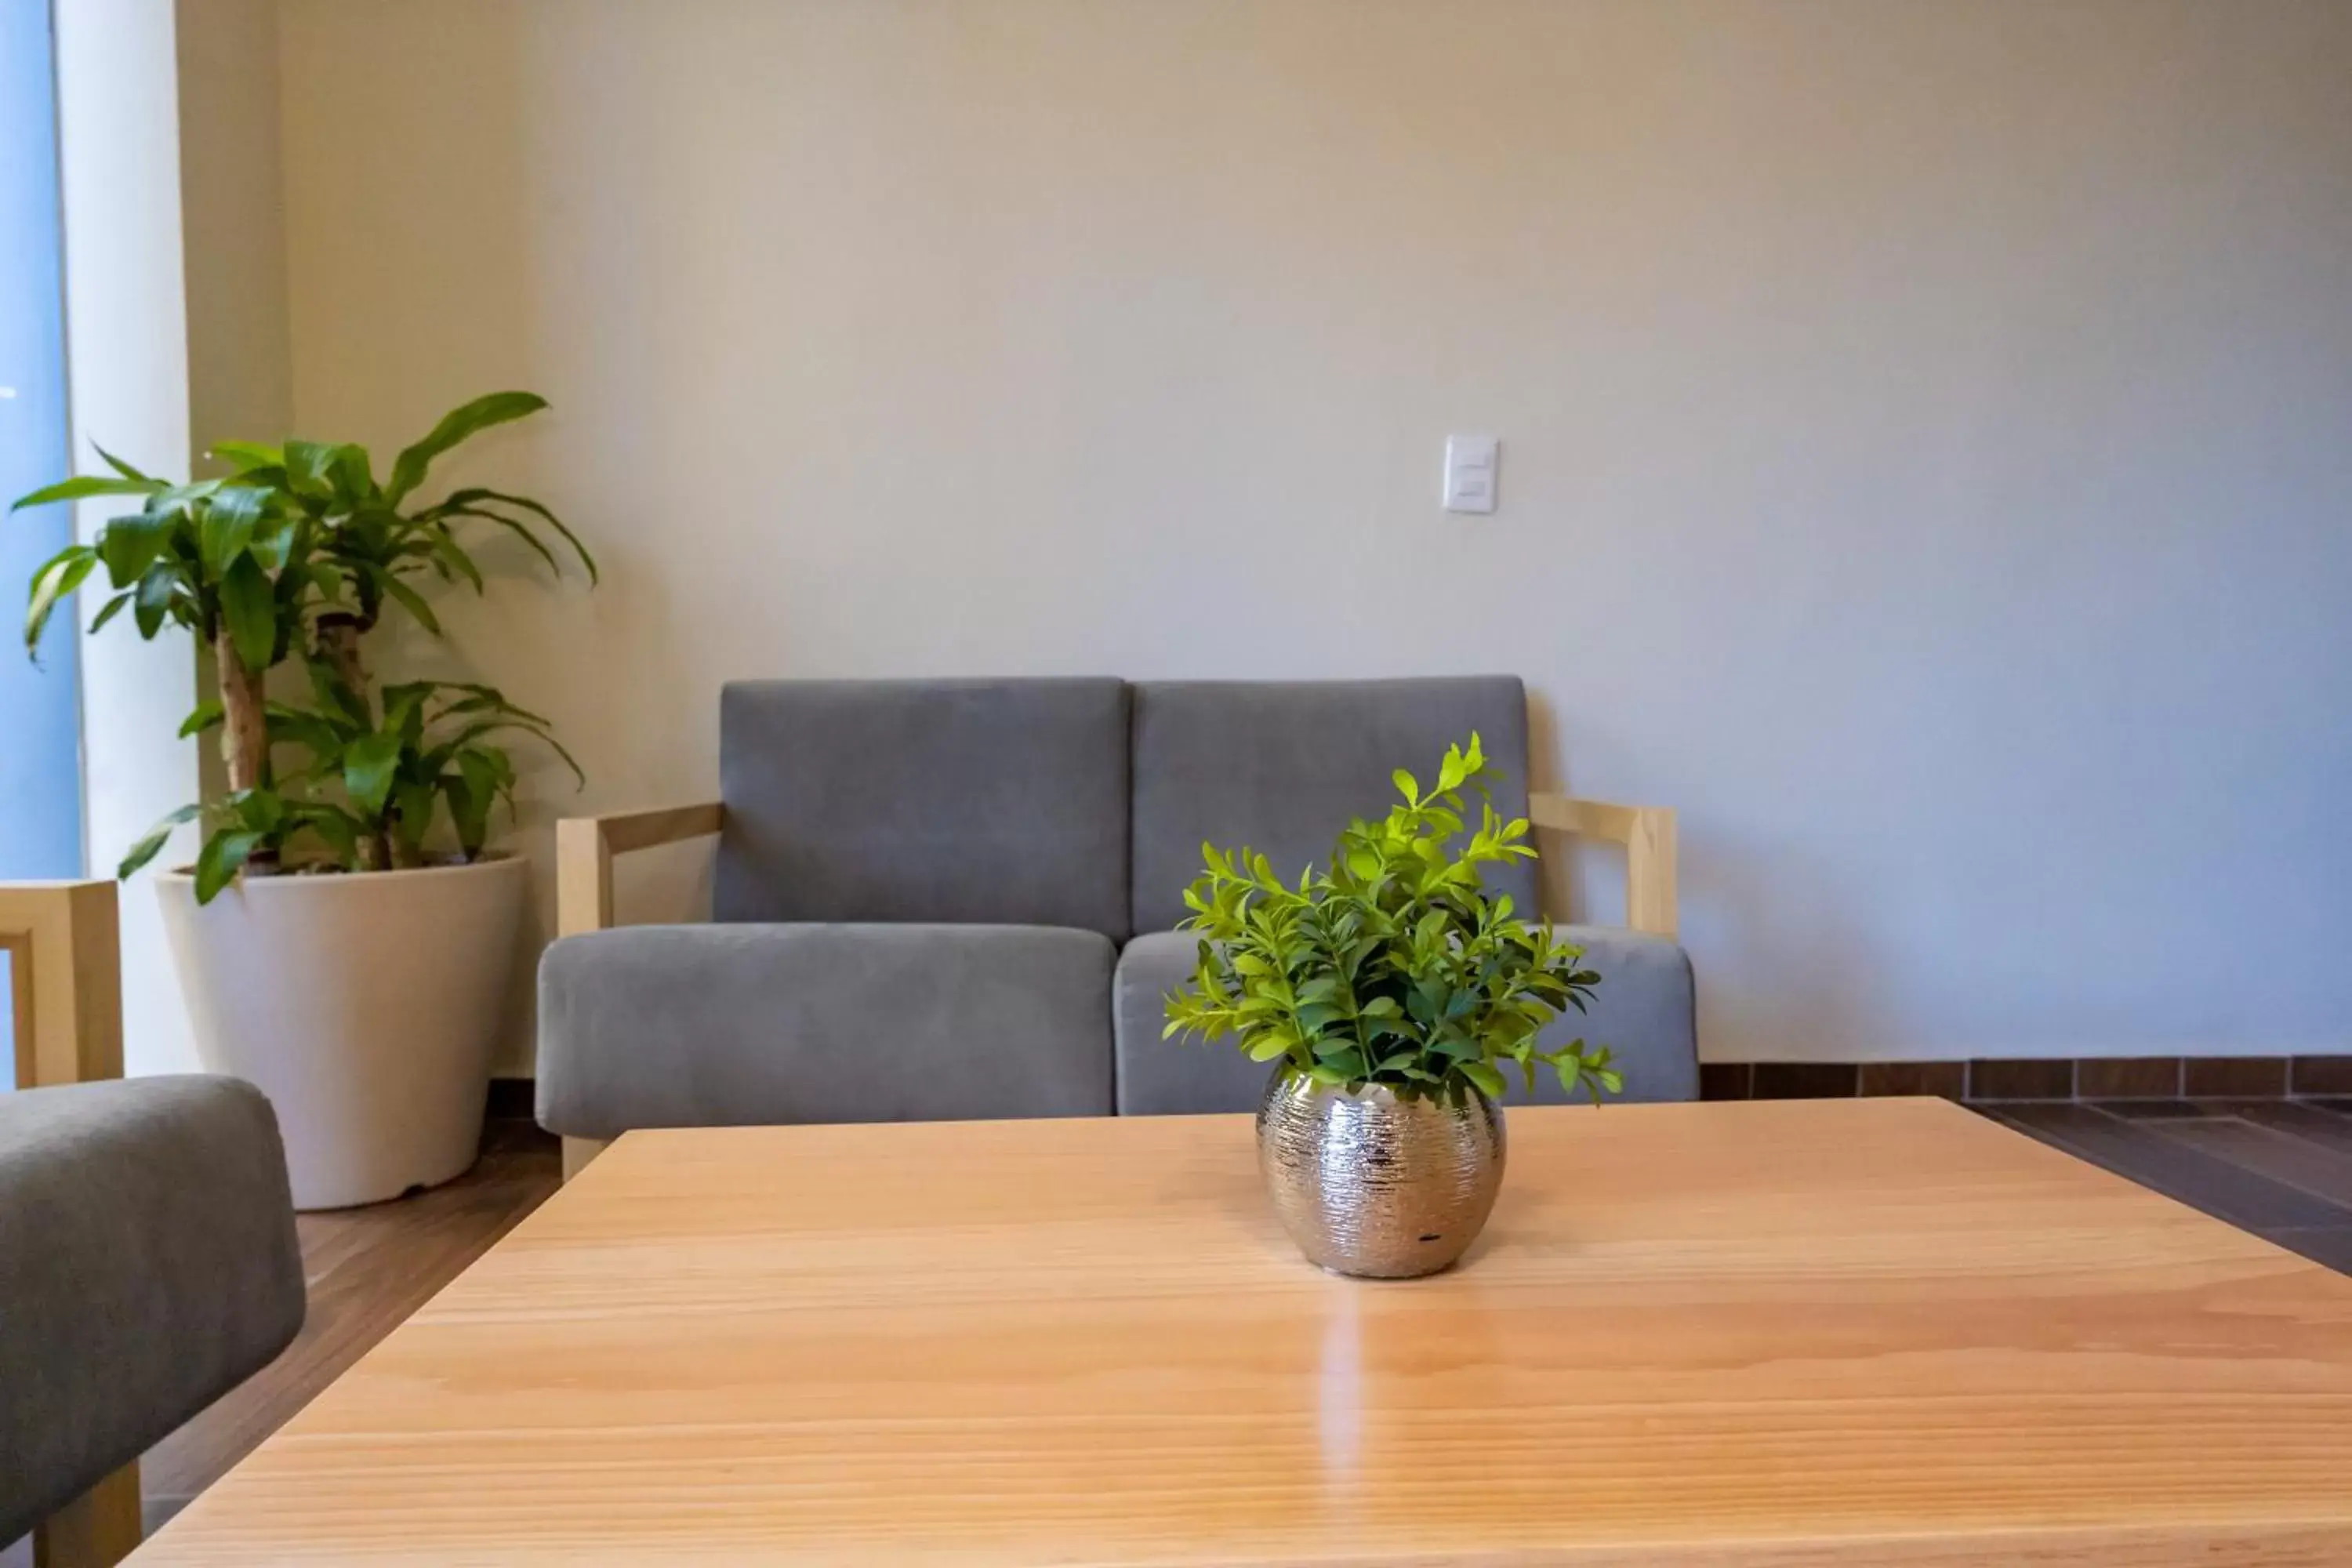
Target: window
40	789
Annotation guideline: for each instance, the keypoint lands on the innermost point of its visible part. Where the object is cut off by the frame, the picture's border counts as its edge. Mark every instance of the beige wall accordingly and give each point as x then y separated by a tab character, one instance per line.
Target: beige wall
231	197
1925	446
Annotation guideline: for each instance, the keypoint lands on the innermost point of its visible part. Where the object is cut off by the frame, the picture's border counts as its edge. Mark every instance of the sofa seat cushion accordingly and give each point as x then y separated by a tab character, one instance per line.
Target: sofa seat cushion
1643	1010
732	1024
1182	1074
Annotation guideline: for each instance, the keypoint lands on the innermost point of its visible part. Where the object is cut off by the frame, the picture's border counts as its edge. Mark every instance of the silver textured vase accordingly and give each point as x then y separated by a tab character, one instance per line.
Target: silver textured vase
1374	1186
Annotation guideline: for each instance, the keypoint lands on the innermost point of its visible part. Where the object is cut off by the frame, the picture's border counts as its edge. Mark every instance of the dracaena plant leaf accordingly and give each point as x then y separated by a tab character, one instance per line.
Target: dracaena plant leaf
458	424
299	549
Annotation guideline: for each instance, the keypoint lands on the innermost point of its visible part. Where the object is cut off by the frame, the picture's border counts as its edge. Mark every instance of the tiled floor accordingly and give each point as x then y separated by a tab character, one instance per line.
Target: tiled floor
2280	1168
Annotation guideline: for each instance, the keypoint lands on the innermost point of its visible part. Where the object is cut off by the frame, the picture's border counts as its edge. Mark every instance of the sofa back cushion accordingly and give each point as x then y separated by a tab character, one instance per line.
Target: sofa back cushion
1281	766
1002	802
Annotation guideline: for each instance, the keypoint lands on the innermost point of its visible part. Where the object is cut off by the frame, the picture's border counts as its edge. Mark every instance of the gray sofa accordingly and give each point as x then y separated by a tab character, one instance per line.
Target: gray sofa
148	1265
956	898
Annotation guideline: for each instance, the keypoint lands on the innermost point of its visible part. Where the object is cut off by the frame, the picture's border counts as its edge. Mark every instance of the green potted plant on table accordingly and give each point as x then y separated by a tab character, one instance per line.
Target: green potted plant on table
345	937
1389	993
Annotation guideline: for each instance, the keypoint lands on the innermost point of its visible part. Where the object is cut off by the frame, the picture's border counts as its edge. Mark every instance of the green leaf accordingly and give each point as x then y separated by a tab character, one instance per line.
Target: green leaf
413	803
130	544
347	468
410	600
82	487
147	848
218	862
228	525
514	525
370	765
470	797
1484	1075
245	456
404	713
309	468
472	497
1392	962
261	810
202	717
250	610
111	608
453	557
125	470
151	601
59	575
275	541
1453	771
340	833
460	424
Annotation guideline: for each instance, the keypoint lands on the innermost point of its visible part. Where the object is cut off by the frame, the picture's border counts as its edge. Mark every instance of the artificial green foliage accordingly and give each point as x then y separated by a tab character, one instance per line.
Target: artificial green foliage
293	557
1391	966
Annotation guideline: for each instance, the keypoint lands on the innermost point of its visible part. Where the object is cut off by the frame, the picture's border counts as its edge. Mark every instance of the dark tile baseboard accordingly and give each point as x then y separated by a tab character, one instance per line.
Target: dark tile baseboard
2014	1079
2036	1078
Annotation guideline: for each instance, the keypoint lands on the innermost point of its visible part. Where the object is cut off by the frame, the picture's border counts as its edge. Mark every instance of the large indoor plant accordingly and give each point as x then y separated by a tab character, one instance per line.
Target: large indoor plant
346	935
1390	993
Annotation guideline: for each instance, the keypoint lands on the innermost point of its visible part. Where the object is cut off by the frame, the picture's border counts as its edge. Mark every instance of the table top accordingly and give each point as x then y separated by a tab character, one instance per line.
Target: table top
1827	1332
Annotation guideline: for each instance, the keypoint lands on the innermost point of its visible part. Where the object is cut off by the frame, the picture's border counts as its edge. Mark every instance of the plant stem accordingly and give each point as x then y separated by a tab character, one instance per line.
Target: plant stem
245	733
337	639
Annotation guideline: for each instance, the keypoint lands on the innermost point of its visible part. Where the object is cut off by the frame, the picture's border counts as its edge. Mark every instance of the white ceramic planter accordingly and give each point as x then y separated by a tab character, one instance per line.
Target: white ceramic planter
366	1007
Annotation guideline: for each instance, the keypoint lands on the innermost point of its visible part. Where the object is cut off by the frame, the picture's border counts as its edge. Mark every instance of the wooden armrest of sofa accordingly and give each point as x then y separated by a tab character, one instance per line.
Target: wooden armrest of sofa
584	847
66	965
1647	832
64	996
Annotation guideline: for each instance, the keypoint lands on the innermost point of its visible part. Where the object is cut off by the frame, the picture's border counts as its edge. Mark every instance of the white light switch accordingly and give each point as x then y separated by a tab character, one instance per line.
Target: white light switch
1471	472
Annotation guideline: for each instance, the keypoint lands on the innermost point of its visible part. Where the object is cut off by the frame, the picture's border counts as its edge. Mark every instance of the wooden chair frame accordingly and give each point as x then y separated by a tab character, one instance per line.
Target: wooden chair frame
65	968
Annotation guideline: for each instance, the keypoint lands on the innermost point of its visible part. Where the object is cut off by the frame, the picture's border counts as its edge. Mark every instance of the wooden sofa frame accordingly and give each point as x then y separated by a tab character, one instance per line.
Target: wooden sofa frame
65	968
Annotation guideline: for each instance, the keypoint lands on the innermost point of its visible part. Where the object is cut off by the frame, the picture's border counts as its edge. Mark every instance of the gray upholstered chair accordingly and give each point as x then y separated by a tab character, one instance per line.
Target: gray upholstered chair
148	1261
954	898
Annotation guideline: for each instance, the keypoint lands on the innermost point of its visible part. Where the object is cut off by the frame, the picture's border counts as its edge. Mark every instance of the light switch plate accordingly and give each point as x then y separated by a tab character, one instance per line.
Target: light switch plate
1472	470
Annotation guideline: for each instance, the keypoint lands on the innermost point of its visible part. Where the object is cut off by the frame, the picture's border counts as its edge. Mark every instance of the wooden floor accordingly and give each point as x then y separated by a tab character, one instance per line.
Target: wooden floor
2279	1168
367	1270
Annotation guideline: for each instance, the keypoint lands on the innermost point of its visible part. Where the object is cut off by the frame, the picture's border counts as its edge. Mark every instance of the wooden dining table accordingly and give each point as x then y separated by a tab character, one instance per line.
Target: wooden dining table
1861	1331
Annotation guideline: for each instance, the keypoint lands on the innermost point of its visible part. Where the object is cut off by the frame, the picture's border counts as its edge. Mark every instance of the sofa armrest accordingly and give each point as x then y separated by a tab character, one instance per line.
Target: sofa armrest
148	1265
1647	832
584	847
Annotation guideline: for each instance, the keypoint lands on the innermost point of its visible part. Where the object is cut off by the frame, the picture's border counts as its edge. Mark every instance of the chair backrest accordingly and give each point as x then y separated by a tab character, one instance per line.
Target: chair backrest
1282	766
1002	802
